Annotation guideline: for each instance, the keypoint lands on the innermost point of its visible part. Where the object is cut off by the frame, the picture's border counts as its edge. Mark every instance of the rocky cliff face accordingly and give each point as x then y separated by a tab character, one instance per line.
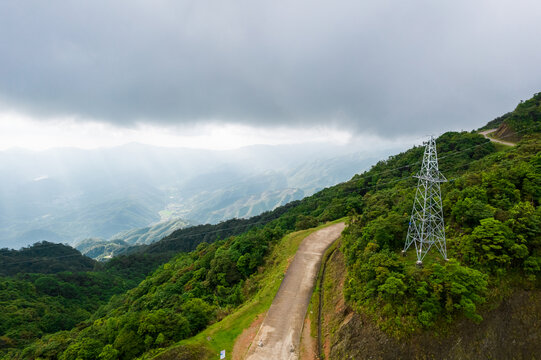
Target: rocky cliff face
510	331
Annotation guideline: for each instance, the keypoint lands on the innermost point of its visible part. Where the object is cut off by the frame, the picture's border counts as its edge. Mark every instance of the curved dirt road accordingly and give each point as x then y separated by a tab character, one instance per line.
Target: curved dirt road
486	132
280	333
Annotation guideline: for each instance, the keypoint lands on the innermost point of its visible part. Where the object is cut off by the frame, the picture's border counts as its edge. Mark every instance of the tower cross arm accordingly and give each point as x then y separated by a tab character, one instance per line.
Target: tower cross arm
440	179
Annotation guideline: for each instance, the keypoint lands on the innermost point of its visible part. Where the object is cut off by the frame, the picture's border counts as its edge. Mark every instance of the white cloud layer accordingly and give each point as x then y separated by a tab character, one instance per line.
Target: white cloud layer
18	130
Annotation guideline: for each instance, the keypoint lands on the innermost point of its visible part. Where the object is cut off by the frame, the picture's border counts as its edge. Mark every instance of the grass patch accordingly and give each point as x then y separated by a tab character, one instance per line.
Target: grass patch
410	257
314	308
222	335
501	147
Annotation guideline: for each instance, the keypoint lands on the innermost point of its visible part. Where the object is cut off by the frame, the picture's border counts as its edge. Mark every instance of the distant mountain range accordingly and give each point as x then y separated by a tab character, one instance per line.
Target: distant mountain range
69	195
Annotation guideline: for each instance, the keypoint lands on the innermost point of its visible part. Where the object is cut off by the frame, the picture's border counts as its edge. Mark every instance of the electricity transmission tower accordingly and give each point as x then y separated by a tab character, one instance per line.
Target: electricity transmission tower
426	227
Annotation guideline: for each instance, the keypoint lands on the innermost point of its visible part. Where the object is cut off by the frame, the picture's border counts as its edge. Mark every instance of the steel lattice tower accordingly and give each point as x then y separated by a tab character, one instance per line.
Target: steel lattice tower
426	227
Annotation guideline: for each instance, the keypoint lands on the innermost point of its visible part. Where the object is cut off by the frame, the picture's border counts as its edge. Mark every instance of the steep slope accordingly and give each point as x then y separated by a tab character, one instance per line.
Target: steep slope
143	259
241	204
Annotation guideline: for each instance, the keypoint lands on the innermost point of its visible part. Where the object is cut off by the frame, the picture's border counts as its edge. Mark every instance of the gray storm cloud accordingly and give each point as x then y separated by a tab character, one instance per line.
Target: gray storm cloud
382	66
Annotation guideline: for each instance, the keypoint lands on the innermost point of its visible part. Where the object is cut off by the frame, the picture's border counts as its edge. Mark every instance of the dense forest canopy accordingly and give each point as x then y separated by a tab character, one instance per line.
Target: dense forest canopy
45	258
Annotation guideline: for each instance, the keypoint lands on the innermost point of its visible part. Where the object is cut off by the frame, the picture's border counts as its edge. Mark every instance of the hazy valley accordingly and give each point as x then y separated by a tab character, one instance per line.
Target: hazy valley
69	195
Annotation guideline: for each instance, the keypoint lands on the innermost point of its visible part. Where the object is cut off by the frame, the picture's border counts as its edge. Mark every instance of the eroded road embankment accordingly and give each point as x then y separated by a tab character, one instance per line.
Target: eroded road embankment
280	333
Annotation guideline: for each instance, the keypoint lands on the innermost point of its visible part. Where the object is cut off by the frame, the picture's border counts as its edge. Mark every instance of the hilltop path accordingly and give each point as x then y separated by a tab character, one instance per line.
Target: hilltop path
486	132
279	335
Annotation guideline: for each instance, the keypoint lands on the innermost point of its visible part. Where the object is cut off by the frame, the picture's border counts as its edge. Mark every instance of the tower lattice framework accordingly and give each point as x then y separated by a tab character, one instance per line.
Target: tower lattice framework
426	227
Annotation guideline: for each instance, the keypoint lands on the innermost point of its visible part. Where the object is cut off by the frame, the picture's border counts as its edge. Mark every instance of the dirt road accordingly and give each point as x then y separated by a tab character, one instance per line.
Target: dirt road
486	132
280	333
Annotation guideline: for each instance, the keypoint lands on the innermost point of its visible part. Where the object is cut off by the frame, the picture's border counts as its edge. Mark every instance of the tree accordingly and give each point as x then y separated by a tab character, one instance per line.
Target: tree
393	289
198	313
489	246
108	353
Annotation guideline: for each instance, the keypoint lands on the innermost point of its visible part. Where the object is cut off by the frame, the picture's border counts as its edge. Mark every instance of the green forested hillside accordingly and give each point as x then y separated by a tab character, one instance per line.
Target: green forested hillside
491	205
43	257
180	299
493	224
32	305
46	288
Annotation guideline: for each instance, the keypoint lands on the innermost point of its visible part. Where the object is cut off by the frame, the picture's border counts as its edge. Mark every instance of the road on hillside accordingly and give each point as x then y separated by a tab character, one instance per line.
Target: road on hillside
486	132
280	333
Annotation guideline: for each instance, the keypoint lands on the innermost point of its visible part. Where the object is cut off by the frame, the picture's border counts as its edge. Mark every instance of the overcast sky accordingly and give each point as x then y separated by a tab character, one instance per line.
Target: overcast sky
190	73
